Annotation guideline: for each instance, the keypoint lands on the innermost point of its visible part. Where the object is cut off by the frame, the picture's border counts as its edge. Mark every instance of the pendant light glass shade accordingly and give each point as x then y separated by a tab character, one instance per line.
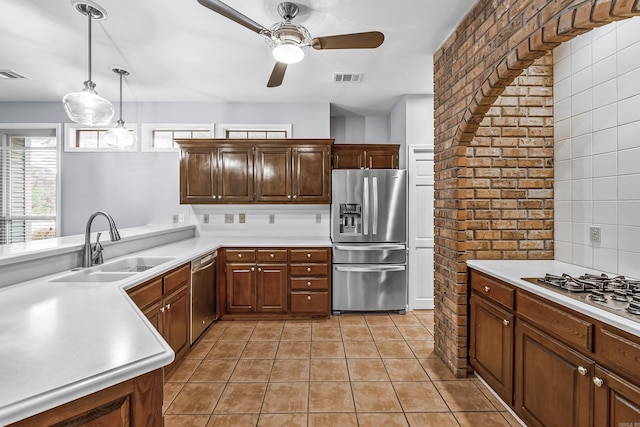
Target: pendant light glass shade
86	106
120	137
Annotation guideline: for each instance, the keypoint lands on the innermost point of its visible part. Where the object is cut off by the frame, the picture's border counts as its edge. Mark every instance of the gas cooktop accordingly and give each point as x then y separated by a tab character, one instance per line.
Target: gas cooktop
616	294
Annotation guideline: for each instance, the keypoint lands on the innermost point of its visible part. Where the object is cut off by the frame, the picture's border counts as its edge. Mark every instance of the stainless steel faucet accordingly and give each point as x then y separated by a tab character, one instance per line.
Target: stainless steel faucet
93	255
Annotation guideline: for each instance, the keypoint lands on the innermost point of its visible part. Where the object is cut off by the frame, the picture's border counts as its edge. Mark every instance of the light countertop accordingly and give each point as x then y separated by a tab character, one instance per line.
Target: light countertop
60	341
513	271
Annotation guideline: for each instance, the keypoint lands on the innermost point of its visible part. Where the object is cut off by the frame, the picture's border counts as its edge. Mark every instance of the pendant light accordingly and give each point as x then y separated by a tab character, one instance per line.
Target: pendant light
120	137
86	106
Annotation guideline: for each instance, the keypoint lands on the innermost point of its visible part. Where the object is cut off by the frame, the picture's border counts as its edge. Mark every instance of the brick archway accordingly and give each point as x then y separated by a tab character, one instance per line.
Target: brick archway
493	45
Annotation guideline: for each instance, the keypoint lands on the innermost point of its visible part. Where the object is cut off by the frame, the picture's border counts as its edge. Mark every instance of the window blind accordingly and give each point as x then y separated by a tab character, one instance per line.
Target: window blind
28	186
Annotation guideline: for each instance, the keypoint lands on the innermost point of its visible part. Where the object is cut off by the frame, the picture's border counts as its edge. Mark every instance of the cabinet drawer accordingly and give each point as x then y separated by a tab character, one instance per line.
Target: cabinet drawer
240	255
315	284
565	326
177	278
492	289
619	351
306	270
309	255
309	302
146	294
276	255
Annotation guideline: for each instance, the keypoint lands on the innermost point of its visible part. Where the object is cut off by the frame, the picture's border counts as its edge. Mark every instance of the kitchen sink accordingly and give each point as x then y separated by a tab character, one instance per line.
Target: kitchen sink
133	264
113	271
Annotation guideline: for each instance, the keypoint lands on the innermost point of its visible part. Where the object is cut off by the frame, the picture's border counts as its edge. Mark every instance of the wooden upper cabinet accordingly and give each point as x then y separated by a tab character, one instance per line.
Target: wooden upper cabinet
255	171
370	156
312	174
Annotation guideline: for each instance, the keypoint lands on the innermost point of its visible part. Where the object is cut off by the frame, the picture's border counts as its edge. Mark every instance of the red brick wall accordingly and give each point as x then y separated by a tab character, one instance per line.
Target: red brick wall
494	43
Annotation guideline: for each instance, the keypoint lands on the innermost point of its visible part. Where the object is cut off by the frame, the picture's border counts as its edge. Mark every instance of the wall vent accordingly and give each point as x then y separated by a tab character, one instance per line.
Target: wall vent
347	77
10	74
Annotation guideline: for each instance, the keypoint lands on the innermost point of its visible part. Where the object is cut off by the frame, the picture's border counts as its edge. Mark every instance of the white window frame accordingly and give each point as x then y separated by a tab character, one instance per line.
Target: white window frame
70	139
59	149
146	142
223	128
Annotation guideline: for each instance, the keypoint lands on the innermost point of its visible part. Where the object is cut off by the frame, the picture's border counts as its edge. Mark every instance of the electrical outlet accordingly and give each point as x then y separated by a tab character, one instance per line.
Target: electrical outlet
175	218
228	218
594	234
318	219
181	218
205	218
272	219
241	218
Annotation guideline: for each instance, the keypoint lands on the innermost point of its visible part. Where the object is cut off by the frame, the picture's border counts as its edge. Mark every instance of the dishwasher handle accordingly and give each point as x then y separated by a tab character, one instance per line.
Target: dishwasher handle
370	269
203	263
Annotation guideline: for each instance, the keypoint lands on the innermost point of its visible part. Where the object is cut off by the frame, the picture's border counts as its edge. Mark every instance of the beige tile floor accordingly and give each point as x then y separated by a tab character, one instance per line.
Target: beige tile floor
350	370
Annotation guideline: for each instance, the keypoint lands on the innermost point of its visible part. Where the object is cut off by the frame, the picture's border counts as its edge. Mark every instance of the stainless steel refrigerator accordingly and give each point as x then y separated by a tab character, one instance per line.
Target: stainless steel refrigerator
368	230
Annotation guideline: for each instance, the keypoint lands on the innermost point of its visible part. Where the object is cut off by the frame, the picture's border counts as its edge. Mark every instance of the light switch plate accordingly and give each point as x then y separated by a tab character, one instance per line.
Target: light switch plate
205	218
228	218
318	219
272	219
241	218
594	234
175	218
181	218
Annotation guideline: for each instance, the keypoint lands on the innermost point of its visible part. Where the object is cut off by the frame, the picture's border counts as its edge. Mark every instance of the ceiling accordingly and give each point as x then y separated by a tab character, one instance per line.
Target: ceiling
179	51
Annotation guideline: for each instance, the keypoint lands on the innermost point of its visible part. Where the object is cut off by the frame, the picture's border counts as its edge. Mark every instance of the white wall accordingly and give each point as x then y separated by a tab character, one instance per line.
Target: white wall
411	123
143	188
360	129
597	148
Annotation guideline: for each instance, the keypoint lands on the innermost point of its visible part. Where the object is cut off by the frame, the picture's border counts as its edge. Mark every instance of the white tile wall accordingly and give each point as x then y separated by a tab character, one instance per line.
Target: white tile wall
597	148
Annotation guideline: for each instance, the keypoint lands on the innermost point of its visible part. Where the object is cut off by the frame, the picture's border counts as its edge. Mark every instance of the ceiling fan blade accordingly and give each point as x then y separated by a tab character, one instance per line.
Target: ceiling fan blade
229	12
369	40
277	75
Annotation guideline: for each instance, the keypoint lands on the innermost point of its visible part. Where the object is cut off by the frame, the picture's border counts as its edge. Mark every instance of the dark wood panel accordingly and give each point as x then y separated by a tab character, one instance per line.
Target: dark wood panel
346	157
382	158
310	255
240	255
273	255
177	278
573	330
177	315
240	286
271	288
307	302
198	175
147	293
273	174
493	289
617	402
310	283
618	352
309	270
311	175
236	174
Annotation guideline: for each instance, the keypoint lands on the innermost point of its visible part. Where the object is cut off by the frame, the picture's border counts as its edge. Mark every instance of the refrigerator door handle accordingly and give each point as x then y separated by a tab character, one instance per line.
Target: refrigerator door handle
369	247
365	202
371	269
375	205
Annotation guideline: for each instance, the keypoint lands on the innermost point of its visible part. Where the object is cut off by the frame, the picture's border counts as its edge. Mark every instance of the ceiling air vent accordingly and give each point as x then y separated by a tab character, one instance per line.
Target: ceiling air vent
347	77
10	74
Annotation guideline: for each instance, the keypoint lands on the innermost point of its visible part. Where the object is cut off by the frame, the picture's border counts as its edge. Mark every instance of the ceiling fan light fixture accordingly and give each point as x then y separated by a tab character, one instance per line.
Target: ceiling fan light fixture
87	107
288	42
288	53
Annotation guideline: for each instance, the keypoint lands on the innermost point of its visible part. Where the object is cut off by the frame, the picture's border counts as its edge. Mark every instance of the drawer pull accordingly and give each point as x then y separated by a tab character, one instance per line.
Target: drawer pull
253	269
219	197
505	322
288	196
239	255
271	255
309	299
161	309
308	283
598	381
259	269
169	306
308	255
582	370
309	269
487	289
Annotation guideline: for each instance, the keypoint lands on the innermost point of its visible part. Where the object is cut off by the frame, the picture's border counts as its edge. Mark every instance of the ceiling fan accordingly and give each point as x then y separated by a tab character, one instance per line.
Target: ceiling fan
288	41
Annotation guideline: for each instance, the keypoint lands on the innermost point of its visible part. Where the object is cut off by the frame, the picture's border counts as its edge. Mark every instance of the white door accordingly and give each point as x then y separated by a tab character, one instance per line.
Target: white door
420	227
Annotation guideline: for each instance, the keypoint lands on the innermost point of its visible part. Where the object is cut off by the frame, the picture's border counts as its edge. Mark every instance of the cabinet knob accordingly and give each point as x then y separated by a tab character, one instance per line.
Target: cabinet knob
272	255
598	381
239	255
295	196
309	269
308	255
219	197
487	289
308	283
161	309
309	299
582	370
253	269
505	322
169	306
259	269
288	196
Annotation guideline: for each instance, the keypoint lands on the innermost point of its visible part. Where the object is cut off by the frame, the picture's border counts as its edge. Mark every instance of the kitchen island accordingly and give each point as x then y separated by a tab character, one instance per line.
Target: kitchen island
60	341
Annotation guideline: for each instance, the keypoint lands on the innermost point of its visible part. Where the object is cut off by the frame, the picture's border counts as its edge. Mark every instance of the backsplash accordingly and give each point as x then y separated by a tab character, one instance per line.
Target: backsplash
288	220
597	148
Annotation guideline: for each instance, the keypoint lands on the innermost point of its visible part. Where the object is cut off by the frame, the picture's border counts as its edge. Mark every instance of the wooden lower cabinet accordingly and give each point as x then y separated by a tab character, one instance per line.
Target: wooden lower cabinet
271	288
136	402
240	286
552	382
491	345
617	401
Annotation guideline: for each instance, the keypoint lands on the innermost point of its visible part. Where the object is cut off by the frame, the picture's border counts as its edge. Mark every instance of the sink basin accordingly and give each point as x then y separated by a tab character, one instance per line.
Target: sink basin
135	264
92	276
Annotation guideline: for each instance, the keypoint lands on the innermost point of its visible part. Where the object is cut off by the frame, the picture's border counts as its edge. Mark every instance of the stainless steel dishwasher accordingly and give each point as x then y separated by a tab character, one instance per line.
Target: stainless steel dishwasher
203	294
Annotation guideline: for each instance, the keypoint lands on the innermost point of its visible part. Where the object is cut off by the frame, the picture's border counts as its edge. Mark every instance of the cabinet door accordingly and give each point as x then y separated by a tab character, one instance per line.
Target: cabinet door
241	293
235	174
311	175
198	175
553	382
177	320
154	314
271	284
273	174
382	159
617	402
491	346
345	157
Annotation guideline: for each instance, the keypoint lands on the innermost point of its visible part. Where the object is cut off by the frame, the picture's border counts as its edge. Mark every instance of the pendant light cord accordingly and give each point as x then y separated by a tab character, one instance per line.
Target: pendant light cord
89	16
121	96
